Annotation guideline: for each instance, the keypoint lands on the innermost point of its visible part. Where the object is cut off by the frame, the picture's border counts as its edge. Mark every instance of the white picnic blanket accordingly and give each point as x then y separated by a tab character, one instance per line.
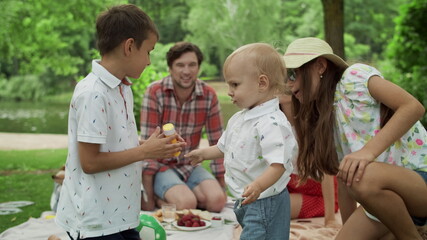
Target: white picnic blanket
43	227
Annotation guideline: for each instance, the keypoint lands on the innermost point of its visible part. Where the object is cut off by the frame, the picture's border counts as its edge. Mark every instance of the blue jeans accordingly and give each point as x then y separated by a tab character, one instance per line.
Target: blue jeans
169	178
267	218
130	234
421	221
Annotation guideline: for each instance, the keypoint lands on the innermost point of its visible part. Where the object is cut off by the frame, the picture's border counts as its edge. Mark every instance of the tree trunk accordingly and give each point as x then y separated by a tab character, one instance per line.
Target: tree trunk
333	13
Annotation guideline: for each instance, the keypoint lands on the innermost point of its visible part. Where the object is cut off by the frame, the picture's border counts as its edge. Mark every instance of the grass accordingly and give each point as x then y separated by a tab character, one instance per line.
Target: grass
26	176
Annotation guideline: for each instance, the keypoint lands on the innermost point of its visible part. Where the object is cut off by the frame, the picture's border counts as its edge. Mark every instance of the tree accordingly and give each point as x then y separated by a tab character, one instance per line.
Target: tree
168	16
51	40
371	24
333	15
230	24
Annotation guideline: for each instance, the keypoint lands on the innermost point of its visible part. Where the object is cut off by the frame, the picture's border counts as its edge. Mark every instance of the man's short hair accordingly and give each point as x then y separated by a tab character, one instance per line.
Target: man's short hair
180	48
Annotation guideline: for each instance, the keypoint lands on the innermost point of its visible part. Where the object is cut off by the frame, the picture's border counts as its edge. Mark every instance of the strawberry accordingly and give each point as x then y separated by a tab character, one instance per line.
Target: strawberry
186	218
196	224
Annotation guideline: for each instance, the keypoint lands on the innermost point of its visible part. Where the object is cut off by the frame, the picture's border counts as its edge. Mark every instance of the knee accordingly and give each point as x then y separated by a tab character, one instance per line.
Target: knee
369	185
186	202
216	203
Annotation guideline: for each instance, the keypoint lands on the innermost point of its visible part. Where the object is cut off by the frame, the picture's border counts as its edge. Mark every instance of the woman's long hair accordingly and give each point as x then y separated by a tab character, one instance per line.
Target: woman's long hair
314	124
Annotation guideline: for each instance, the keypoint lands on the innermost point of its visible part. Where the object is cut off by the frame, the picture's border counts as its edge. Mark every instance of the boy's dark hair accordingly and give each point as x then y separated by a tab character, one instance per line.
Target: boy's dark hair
120	23
180	48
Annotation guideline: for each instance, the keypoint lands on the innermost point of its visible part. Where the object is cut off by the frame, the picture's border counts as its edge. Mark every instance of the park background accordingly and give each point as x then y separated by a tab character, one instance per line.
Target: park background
46	47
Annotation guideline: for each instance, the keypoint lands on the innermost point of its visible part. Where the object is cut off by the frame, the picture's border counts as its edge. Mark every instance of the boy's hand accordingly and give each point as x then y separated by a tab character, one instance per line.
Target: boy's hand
157	146
195	157
251	193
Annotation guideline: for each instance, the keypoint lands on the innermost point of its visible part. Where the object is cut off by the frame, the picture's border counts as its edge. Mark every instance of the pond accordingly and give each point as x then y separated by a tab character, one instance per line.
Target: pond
29	117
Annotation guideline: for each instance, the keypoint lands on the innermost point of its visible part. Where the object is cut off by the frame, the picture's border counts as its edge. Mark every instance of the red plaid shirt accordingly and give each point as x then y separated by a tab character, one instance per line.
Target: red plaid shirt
160	106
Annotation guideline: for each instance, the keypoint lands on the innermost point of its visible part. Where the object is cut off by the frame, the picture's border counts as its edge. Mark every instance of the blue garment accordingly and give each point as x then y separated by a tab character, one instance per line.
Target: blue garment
421	221
265	219
169	178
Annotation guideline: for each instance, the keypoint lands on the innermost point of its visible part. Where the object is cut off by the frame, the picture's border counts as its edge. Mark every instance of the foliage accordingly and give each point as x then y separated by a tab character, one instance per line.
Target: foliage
232	23
49	39
408	45
155	71
22	87
168	16
371	23
52	42
354	51
139	85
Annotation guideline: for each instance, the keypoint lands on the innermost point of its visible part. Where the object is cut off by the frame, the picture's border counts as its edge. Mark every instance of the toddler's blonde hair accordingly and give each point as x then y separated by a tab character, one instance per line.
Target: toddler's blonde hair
266	60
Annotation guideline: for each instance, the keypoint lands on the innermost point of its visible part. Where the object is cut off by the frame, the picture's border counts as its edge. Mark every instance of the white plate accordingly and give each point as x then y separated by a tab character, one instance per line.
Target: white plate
7	211
15	204
208	224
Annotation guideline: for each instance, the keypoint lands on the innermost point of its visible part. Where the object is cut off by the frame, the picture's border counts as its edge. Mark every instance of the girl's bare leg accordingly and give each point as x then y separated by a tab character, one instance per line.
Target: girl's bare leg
392	194
360	227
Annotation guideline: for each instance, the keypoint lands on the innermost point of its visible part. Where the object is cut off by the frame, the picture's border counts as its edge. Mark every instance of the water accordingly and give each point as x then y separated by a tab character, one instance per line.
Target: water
29	117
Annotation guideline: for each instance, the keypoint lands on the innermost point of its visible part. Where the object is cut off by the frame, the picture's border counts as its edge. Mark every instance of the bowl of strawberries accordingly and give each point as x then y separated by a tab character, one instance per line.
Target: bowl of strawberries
191	222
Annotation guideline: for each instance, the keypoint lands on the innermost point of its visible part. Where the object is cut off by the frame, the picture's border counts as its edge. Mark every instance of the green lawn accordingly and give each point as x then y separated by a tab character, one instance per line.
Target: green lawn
26	176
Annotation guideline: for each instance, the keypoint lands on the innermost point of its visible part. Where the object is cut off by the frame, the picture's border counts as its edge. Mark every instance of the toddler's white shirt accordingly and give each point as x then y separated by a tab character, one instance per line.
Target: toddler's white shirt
107	202
253	140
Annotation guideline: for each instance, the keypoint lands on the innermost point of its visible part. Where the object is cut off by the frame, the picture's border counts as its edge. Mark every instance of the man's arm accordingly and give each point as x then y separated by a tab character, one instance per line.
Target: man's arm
214	132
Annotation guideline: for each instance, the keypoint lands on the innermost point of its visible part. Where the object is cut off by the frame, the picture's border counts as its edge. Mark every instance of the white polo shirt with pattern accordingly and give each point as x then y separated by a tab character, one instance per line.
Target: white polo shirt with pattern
255	139
90	205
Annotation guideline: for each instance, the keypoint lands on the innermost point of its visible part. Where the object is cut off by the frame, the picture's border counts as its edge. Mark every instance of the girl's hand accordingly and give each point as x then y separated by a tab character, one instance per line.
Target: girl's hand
251	193
195	156
353	165
332	224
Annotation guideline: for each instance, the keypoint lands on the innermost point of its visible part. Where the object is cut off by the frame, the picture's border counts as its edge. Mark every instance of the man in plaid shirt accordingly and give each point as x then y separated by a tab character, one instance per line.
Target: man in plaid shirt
191	105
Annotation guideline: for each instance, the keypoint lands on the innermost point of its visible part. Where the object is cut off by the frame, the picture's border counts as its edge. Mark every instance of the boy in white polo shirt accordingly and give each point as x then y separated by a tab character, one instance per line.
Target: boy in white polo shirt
258	145
101	192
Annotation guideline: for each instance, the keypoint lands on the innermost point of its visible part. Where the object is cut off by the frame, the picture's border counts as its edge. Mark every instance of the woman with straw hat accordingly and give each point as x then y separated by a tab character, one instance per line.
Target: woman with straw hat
352	122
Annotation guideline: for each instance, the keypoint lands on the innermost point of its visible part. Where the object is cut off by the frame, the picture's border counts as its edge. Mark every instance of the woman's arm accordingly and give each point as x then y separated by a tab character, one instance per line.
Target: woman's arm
328	192
407	111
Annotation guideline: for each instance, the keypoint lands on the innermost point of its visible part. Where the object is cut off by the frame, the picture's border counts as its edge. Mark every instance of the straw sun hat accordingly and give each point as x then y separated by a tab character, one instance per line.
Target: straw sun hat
304	50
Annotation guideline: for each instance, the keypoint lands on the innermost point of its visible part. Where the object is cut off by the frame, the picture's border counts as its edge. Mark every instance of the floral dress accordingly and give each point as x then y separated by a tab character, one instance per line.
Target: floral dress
358	120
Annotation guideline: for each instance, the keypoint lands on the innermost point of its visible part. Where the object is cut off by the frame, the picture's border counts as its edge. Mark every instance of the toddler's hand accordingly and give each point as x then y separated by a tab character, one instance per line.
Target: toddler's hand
195	157
251	193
